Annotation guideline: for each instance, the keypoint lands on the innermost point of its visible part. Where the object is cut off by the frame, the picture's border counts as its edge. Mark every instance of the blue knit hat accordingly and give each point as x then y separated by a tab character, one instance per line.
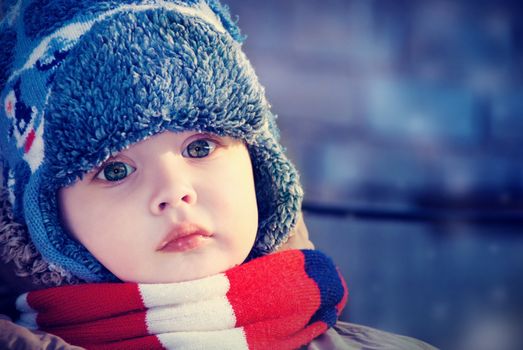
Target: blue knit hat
81	80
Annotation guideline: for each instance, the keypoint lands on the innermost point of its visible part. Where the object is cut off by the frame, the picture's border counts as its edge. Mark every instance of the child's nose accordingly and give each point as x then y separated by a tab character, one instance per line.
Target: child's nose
172	189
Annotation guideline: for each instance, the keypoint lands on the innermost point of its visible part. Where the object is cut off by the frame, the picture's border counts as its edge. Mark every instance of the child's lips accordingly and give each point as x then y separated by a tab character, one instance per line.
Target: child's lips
184	237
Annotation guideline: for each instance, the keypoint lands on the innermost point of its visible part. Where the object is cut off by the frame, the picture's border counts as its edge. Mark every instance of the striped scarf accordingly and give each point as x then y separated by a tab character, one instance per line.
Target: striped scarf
280	301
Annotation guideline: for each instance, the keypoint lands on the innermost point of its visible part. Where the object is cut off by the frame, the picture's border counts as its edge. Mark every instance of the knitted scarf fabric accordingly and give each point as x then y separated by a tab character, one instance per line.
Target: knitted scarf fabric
282	301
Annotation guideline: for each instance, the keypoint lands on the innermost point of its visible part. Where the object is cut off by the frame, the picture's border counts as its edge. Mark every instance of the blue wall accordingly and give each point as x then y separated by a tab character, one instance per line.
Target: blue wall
400	115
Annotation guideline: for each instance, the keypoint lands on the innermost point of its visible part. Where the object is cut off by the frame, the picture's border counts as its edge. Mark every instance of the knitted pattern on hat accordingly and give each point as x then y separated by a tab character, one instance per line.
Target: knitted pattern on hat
82	80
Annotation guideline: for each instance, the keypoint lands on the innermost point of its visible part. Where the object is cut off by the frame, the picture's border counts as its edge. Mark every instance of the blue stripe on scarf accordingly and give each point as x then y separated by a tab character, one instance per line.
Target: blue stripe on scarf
329	283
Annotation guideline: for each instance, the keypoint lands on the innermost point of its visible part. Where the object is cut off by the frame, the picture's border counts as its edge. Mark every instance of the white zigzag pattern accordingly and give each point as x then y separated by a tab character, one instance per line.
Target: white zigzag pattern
72	32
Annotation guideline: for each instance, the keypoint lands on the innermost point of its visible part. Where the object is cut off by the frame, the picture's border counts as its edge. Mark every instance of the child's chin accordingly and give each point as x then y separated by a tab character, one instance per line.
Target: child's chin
196	275
188	268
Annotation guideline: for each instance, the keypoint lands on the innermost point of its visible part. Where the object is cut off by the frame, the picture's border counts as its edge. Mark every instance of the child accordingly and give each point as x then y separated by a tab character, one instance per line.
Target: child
141	154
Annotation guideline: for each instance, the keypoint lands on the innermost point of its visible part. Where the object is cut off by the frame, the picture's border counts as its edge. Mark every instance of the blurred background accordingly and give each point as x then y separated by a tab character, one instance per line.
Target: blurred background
405	121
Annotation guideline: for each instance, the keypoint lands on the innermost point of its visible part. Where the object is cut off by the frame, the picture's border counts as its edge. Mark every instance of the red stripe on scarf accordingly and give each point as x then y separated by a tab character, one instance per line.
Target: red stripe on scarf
255	297
105	330
296	340
150	343
108	312
79	305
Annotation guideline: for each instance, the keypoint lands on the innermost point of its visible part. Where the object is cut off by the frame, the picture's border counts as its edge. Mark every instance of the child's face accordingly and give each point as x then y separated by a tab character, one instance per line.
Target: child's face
175	207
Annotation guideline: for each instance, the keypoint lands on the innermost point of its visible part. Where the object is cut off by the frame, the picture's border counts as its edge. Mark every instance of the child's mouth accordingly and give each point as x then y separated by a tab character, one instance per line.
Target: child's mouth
184	237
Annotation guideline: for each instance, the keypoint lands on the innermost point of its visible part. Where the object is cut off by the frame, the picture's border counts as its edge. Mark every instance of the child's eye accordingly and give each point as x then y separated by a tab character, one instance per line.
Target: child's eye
115	171
199	149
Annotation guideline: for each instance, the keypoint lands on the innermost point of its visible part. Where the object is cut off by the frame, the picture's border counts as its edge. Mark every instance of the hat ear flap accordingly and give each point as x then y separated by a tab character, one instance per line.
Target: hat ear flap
278	192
